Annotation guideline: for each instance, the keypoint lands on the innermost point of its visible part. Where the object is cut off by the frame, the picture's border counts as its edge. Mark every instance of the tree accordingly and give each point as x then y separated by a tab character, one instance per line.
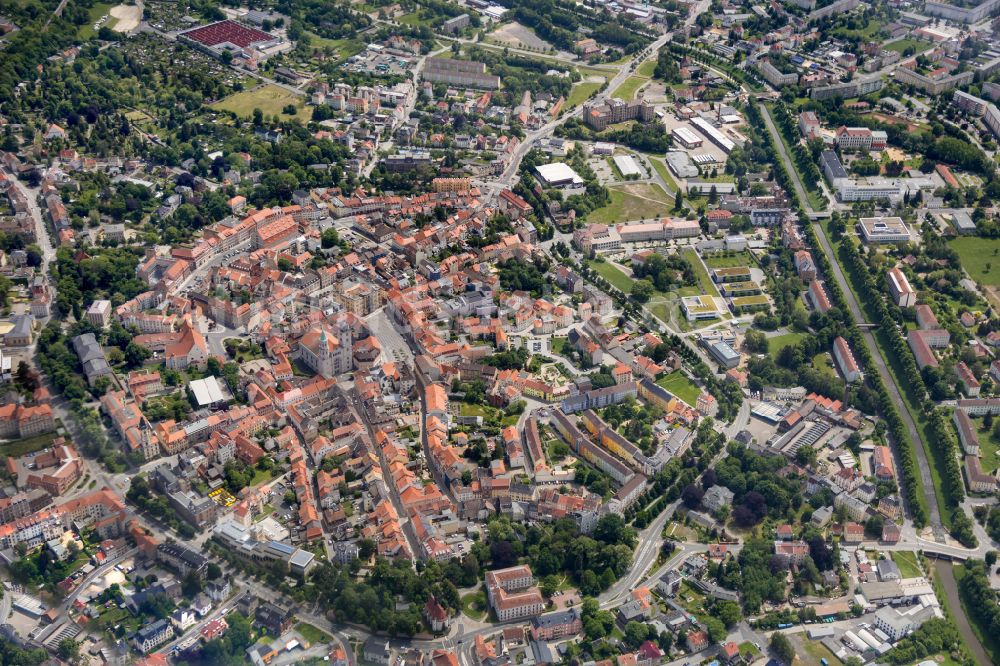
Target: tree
191	584
692	495
716	629
806	456
782	647
213	572
612	529
755	341
68	649
636	633
642	290
728	612
136	355
329	238
991	558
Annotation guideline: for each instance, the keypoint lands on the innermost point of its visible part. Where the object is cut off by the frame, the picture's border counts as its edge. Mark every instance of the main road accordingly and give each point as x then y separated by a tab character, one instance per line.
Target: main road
933	513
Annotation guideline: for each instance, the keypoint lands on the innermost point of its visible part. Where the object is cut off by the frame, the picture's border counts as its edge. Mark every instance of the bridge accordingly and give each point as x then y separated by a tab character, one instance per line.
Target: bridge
866	326
947	557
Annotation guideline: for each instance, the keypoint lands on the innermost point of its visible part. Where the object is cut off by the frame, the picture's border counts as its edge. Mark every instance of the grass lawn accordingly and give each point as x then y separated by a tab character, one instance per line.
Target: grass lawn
270	99
907	563
473	410
819	651
903	44
728	260
774	344
557	345
260	476
344	47
664	171
266	511
612	274
86	30
581	92
474	605
413	18
980	258
20	447
988	448
646	69
660	310
679	384
630	87
704	281
822	362
640	201
867	33
312	634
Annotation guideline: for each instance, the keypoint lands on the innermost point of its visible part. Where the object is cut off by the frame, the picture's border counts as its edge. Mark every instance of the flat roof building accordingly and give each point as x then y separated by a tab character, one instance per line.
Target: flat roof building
558	174
883	230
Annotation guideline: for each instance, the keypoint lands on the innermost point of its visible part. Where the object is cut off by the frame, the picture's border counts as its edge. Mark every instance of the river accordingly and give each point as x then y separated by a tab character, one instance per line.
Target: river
951	591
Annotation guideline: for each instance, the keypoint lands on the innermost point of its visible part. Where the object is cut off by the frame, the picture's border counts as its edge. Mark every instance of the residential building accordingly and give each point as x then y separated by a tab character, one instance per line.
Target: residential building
845	360
151	636
899	288
552	626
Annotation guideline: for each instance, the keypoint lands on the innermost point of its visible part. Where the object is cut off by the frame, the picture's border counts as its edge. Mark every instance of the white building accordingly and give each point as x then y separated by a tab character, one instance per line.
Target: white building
883	230
898	622
902	293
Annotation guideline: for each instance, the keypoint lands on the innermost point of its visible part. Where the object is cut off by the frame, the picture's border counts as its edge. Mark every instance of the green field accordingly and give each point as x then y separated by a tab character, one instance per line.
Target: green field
907	563
474	605
630	87
640	201
664	171
269	98
989	447
868	33
20	447
728	260
980	258
774	344
473	410
344	48
612	274
558	344
679	384
581	93
905	43
646	69
705	284
823	363
312	634
86	31
413	19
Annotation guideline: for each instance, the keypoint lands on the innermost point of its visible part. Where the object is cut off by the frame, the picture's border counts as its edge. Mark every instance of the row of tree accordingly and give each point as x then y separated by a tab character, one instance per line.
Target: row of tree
905	447
944	444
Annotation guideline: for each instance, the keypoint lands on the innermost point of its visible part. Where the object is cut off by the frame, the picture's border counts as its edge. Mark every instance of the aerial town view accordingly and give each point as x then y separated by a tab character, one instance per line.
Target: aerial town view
500	332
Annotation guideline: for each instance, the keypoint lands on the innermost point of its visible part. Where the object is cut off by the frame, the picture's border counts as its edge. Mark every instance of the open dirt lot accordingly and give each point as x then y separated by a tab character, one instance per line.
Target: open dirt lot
518	36
128	17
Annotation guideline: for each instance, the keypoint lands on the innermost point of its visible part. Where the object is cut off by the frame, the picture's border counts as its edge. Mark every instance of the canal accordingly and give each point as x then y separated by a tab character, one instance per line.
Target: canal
947	577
